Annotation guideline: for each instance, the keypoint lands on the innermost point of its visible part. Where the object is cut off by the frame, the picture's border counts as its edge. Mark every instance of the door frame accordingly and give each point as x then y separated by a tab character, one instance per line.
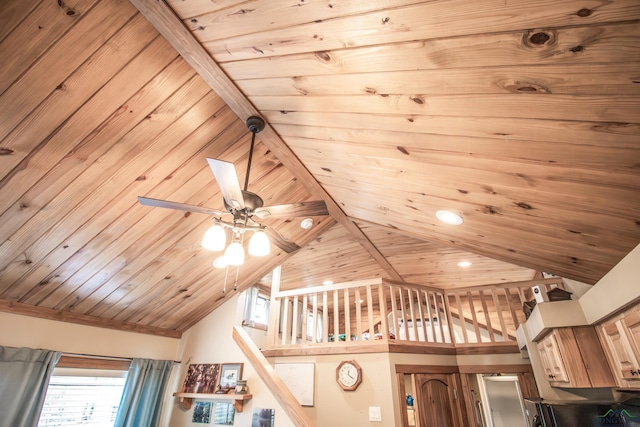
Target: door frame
484	394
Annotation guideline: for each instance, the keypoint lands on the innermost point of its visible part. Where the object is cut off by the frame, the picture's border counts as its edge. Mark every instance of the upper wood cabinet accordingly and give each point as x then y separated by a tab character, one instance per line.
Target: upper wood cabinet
621	338
572	358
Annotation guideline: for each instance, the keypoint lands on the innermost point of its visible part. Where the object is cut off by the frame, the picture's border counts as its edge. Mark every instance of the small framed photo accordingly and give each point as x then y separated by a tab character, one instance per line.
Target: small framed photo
202	413
230	373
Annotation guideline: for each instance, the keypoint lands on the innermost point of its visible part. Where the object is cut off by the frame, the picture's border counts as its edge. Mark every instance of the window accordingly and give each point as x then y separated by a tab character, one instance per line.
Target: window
256	313
82	397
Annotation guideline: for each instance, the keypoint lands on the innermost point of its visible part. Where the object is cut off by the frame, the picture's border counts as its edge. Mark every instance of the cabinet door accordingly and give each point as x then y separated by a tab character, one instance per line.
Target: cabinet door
544	360
624	363
556	363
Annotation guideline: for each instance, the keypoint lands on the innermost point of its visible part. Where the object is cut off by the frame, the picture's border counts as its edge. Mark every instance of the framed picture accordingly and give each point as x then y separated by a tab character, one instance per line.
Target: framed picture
201	378
202	413
224	414
230	373
262	418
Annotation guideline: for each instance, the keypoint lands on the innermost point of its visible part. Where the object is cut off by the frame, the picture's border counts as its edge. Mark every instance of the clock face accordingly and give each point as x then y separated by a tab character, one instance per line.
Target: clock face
349	375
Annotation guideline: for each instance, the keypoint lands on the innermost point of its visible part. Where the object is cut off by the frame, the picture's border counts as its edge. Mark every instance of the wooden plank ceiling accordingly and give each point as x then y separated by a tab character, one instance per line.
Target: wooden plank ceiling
521	116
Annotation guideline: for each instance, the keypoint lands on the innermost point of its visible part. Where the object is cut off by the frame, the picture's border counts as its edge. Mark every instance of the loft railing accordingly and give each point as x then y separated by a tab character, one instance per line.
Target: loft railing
379	312
491	314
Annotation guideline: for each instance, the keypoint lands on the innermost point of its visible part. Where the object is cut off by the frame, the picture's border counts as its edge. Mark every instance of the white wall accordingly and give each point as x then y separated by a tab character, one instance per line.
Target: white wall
211	341
335	407
32	332
617	288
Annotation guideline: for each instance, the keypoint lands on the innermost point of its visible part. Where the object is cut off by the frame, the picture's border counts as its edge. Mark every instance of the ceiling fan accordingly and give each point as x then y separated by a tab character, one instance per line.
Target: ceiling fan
245	207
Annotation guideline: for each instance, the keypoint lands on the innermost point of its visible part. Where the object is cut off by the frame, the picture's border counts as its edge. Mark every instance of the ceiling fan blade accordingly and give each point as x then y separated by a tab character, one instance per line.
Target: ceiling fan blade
156	203
313	208
227	178
281	242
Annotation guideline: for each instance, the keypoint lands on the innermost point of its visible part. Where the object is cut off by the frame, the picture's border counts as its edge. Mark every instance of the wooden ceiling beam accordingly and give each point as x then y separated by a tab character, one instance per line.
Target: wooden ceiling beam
164	19
82	319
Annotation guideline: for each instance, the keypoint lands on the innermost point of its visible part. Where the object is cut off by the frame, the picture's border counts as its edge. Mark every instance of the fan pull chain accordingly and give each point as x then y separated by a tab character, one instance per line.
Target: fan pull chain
226	274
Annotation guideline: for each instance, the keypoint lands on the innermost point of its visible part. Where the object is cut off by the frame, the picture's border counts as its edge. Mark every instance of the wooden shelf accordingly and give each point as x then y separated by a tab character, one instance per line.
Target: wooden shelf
186	399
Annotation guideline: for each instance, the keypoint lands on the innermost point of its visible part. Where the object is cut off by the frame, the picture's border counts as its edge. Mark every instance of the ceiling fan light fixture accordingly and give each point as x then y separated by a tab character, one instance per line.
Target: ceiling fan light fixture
234	254
220	262
464	264
215	238
259	244
449	217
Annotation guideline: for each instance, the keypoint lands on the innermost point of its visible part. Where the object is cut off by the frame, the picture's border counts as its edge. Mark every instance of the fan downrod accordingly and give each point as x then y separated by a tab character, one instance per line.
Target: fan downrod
255	124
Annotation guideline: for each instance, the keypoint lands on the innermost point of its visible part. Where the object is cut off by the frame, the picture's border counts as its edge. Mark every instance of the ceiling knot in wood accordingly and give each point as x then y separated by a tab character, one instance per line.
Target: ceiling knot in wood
69	11
537	39
584	12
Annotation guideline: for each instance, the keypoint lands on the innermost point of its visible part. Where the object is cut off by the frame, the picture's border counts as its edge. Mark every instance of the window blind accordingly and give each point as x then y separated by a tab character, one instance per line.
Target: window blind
82	401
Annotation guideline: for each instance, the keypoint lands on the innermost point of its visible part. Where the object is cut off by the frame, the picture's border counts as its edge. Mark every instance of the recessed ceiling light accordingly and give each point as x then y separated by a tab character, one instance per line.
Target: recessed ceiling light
327	282
306	223
464	264
449	217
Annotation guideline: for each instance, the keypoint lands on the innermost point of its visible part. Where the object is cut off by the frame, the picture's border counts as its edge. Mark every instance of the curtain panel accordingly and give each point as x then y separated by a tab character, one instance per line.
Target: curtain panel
24	378
141	402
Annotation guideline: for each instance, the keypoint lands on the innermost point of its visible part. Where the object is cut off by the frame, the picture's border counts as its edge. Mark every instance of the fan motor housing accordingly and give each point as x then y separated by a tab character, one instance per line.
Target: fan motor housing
251	202
255	124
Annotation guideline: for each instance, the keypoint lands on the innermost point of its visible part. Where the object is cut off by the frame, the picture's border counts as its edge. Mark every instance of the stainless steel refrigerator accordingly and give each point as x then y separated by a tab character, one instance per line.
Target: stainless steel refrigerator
543	413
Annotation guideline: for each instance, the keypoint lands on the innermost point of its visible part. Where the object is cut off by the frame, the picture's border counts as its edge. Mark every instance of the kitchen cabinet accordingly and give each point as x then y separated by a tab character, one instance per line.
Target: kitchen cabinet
621	338
572	358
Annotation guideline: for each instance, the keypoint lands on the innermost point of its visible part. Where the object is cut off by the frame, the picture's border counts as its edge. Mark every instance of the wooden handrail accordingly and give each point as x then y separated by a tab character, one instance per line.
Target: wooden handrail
522	284
267	373
329	288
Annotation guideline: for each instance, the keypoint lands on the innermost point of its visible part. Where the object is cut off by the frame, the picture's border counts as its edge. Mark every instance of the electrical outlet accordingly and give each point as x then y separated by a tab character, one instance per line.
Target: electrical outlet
374	413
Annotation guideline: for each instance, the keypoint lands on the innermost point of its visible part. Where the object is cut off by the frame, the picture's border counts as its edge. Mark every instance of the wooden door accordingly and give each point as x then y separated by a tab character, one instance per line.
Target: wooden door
436	396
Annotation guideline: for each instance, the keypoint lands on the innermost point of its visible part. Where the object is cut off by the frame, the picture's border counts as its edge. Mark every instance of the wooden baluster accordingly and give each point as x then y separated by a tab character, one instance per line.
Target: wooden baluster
462	318
523	299
294	321
394	313
412	318
403	317
432	325
305	320
384	327
359	312
347	317
503	326
440	311
474	318
370	308
336	317
487	317
452	334
314	320
325	317
274	308
422	316
285	321
514	314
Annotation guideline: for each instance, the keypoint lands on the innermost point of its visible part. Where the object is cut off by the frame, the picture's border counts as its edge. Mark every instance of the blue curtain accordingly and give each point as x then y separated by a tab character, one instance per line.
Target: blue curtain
141	401
24	378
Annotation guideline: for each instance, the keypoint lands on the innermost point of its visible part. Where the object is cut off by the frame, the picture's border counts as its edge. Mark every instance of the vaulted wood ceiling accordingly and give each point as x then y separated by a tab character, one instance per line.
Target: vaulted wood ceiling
521	116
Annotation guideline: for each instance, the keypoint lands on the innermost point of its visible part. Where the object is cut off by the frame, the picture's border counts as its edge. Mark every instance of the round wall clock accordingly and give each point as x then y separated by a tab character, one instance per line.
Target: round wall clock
349	375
